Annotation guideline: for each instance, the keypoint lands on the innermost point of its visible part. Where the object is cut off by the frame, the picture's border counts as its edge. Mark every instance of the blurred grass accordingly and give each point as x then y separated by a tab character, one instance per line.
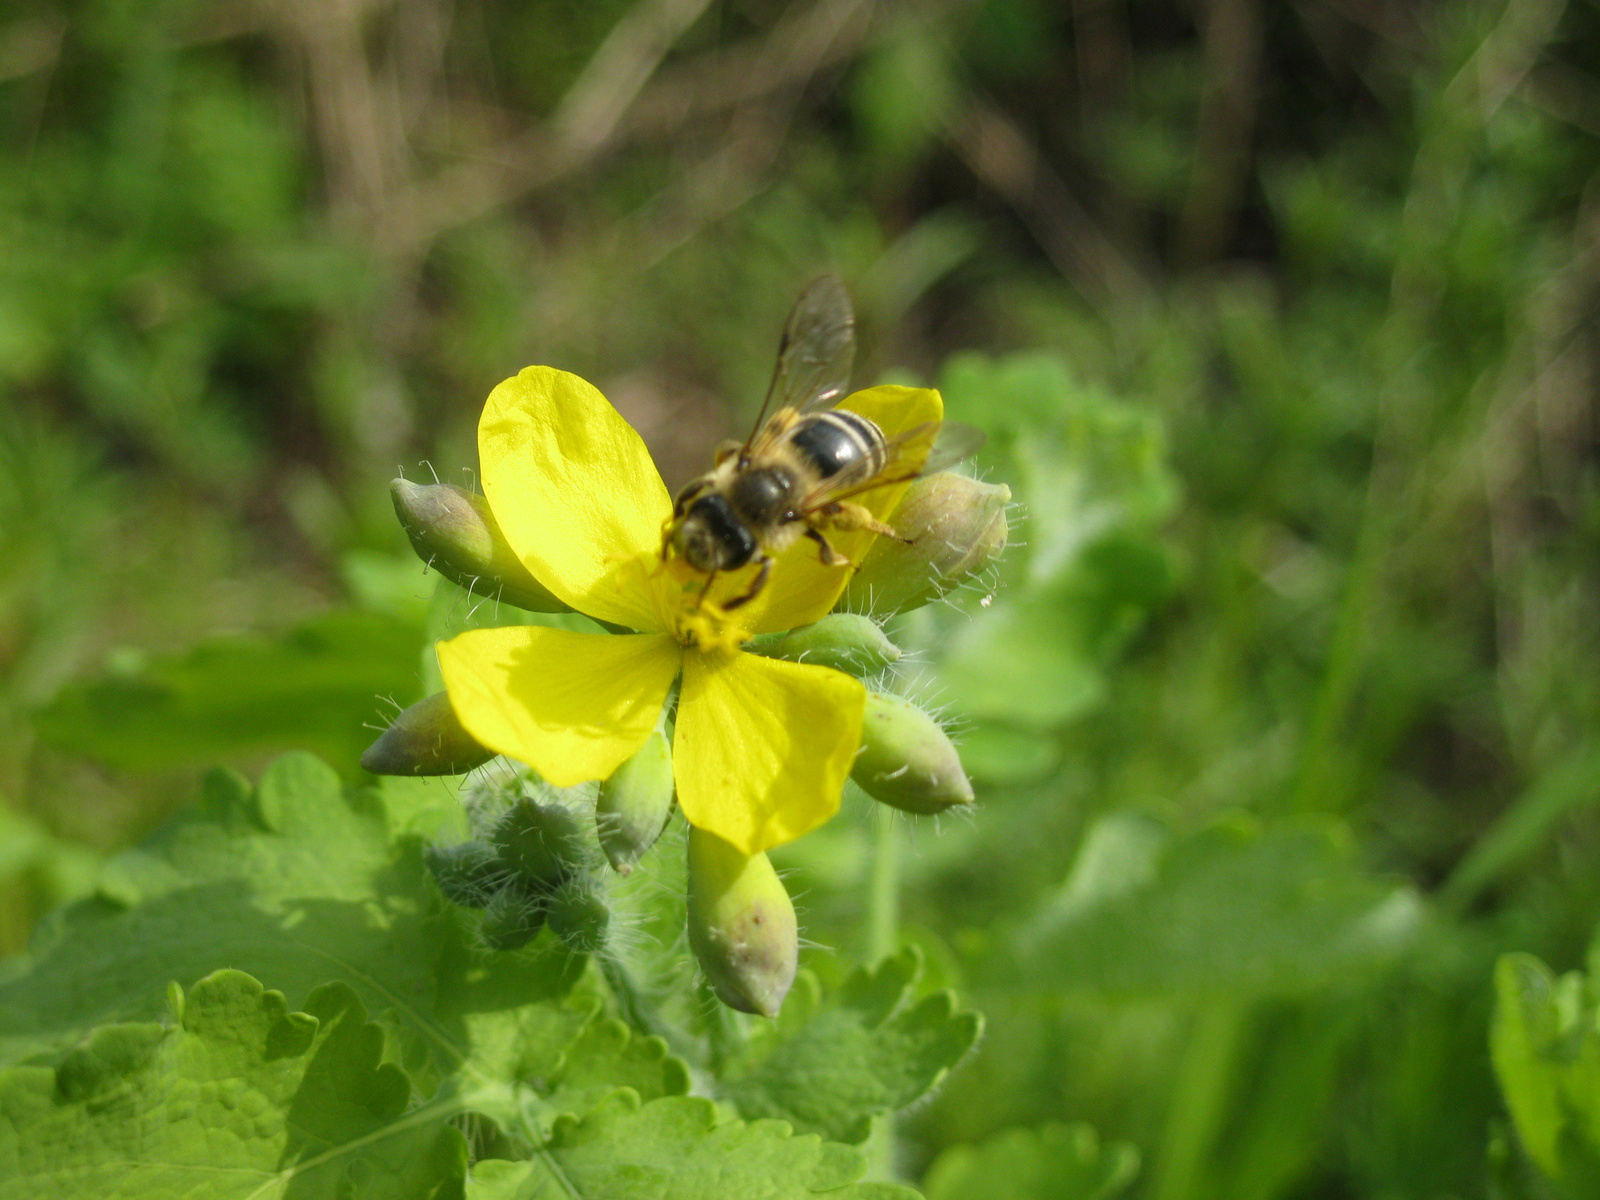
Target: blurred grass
1281	319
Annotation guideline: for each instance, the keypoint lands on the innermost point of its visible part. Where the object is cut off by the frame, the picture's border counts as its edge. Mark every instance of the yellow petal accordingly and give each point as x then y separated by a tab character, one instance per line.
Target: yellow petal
574	491
763	747
573	706
801	589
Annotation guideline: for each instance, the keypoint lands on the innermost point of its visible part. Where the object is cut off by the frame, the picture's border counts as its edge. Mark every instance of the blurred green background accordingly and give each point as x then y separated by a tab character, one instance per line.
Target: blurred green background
1281	317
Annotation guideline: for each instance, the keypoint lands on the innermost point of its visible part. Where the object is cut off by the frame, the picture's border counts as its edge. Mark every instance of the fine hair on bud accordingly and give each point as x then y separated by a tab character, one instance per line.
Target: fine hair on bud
425	739
580	914
955	529
455	533
742	925
906	760
512	918
845	641
541	845
468	873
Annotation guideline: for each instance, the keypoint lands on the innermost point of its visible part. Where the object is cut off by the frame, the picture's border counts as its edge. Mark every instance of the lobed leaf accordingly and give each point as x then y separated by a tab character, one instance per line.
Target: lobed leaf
236	1097
1234	908
297	881
1052	1162
864	1051
673	1149
1546	1050
312	687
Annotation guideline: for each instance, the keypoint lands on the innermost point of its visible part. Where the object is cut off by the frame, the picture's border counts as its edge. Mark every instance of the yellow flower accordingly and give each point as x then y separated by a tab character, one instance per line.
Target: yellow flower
762	746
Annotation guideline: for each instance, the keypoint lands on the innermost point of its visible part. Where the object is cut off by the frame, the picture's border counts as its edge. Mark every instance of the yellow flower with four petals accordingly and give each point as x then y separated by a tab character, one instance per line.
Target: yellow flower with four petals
762	747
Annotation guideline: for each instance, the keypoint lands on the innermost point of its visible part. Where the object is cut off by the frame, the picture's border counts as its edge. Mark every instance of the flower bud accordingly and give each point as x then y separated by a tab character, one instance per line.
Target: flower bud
633	805
425	739
512	918
906	761
580	914
956	528
540	844
741	925
454	532
844	641
466	873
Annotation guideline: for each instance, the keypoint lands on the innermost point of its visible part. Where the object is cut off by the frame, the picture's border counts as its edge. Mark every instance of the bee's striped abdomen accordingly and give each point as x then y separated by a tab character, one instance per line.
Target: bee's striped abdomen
839	440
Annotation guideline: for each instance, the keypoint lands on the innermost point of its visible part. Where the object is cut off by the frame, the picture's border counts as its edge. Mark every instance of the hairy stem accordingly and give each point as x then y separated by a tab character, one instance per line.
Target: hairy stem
883	894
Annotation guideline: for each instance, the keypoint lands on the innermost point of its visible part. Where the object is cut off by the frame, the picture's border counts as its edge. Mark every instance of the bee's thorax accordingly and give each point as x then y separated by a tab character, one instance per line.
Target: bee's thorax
740	509
762	495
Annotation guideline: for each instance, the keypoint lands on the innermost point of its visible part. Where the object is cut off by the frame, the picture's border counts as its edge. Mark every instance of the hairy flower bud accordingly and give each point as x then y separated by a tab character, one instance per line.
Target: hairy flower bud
453	531
425	739
906	761
844	641
741	925
511	919
540	844
580	914
466	872
633	805
956	526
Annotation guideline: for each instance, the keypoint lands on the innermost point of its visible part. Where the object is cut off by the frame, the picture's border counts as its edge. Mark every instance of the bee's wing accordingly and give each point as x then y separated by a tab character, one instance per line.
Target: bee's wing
920	450
815	355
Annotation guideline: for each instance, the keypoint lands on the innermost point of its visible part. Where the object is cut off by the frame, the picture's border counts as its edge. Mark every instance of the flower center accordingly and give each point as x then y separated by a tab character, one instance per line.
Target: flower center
694	618
707	628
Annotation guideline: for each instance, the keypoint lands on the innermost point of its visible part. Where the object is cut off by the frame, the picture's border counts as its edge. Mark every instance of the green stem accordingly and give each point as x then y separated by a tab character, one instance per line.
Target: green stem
883	939
640	1012
883	898
1201	1095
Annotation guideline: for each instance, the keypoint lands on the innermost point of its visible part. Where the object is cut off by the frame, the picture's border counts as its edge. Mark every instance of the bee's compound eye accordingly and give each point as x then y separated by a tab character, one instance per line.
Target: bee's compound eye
694	543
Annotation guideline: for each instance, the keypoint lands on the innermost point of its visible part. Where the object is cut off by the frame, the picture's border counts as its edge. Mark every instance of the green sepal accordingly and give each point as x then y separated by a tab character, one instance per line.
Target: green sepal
954	528
742	926
541	845
467	873
844	641
632	806
512	918
580	914
906	760
425	739
455	533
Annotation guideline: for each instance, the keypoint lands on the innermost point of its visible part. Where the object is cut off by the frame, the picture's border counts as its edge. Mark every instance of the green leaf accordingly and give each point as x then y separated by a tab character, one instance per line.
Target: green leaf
238	1096
1546	1049
1086	464
317	687
1052	1162
867	1049
672	1149
297	882
1233	908
1091	473
59	869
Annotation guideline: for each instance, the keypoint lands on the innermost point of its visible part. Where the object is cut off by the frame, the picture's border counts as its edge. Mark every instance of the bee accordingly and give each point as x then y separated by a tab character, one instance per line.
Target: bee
798	471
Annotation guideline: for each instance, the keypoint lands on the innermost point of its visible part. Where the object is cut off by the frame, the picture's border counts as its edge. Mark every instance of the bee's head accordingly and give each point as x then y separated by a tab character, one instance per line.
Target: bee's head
709	537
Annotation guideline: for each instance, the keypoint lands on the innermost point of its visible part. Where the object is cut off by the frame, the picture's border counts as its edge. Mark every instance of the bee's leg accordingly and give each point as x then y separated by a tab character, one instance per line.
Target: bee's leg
848	515
825	551
756	584
666	545
711	577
